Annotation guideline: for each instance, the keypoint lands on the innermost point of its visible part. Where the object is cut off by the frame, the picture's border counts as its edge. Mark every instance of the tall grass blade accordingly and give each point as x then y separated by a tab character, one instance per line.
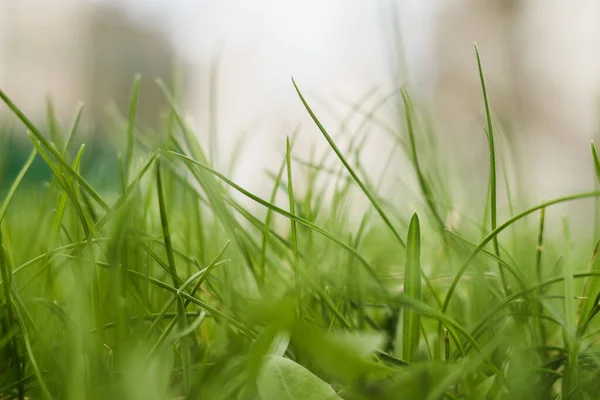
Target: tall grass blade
291	201
412	289
492	181
73	130
354	175
164	222
133	104
596	160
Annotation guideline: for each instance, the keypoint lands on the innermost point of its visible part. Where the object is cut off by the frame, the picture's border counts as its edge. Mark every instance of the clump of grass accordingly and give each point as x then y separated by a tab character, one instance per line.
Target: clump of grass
170	287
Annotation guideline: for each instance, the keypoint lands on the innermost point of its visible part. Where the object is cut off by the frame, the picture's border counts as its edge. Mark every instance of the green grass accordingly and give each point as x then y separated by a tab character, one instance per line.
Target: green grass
165	285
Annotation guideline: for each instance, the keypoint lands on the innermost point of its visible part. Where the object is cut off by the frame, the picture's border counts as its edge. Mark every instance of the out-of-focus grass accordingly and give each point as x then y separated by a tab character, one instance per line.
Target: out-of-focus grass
162	284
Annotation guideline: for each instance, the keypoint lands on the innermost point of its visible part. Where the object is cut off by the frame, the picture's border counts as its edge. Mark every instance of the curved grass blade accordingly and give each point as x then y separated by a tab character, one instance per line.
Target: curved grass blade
502	227
588	288
15	315
514	272
133	104
494	311
571	373
360	183
593	311
191	328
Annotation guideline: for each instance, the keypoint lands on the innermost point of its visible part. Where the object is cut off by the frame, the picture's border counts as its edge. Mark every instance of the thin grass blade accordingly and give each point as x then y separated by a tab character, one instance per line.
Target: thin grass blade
354	175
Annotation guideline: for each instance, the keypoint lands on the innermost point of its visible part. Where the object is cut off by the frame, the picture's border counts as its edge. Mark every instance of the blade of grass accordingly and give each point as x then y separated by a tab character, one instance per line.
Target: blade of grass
292	203
360	183
57	224
165	223
513	271
69	189
133	104
73	130
596	160
570	379
122	173
492	181
507	301
184	346
62	204
8	284
412	289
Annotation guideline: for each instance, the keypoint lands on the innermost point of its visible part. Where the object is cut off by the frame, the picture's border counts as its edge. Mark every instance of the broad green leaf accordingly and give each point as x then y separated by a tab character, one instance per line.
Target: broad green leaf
283	379
279	344
347	356
482	390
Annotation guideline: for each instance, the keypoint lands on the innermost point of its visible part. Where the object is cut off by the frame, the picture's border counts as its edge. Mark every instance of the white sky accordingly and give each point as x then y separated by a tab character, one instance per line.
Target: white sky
336	49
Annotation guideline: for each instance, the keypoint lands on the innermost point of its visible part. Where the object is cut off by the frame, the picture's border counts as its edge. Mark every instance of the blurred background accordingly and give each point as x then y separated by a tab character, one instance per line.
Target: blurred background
232	61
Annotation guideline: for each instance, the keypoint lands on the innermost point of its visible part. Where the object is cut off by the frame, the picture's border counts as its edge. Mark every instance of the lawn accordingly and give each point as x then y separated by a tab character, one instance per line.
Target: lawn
172	281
